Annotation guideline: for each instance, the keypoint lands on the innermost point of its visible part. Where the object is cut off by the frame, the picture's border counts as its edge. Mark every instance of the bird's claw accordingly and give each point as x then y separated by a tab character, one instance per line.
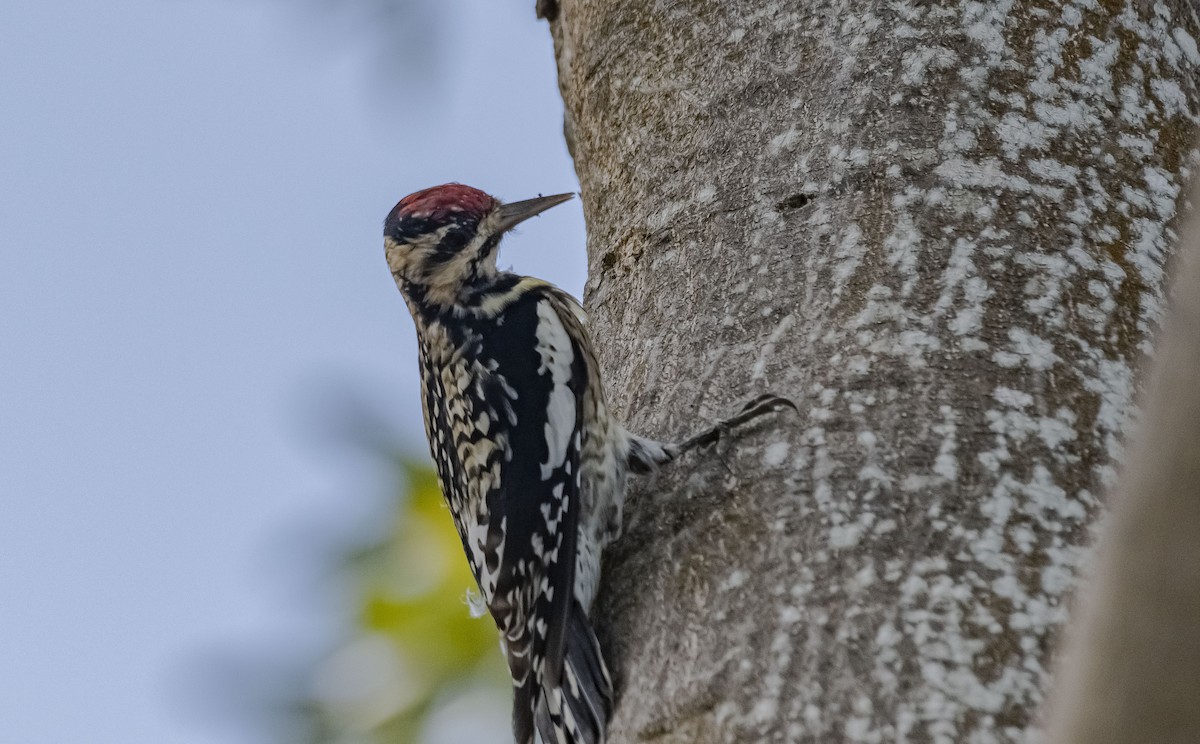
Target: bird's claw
758	406
768	402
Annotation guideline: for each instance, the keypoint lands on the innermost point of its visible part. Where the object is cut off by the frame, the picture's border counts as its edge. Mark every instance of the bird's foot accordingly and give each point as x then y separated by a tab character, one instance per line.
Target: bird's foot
758	406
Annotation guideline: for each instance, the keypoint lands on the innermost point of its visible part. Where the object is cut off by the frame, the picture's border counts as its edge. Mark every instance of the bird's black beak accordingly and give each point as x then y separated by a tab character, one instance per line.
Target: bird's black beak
515	213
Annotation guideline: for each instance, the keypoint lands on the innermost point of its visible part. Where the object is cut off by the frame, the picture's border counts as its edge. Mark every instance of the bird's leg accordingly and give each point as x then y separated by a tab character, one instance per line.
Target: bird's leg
646	455
760	406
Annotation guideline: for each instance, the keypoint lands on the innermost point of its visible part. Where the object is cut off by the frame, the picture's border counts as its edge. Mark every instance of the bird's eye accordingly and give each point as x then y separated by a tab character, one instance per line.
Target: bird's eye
450	245
453	241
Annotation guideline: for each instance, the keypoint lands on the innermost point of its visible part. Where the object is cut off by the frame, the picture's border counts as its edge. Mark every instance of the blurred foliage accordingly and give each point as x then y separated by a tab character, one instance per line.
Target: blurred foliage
416	645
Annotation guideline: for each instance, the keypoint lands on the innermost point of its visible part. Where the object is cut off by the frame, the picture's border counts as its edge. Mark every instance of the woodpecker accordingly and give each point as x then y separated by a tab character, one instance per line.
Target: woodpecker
531	461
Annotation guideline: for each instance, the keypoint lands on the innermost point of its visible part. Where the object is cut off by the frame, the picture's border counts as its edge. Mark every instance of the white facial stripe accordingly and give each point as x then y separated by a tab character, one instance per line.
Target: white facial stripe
413	261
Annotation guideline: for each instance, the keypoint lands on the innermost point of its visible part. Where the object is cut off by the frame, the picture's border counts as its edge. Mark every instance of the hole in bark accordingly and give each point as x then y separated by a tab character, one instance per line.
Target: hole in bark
795	201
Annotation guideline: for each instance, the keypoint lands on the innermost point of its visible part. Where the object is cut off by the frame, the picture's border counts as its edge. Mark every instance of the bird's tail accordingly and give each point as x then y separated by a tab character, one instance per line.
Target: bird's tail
577	711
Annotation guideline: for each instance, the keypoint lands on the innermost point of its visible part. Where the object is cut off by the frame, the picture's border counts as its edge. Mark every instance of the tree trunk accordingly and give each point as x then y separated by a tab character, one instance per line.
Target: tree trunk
941	229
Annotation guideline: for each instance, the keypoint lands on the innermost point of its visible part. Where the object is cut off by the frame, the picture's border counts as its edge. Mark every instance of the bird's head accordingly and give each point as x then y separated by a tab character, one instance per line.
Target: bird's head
442	240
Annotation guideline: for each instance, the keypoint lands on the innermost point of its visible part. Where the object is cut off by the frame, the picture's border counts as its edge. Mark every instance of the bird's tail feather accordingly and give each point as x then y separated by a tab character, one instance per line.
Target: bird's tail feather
524	692
577	711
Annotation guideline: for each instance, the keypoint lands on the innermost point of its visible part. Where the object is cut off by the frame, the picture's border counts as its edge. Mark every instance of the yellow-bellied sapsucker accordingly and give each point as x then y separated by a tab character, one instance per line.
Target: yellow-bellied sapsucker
531	462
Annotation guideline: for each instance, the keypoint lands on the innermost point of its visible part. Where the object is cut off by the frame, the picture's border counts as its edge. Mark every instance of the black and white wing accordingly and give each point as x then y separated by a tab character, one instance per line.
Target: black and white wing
524	547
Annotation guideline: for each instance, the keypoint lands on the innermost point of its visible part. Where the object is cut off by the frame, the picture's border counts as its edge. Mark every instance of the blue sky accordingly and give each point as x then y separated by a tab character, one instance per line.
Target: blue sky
192	269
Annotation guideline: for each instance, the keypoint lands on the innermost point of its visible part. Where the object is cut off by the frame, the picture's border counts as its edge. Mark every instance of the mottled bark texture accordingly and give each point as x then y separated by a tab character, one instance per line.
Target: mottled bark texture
1131	668
941	227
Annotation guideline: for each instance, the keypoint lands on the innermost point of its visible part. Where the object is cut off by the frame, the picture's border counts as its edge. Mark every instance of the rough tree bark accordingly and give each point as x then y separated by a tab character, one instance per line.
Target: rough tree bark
941	228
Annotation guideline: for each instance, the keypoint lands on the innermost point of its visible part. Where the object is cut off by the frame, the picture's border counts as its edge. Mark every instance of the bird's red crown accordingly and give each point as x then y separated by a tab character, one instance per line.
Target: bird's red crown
437	202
